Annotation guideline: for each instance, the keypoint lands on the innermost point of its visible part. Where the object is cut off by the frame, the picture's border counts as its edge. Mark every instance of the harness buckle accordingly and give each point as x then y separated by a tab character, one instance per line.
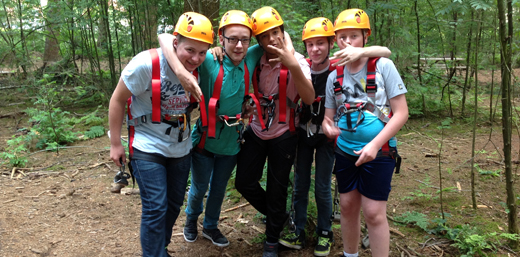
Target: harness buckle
226	118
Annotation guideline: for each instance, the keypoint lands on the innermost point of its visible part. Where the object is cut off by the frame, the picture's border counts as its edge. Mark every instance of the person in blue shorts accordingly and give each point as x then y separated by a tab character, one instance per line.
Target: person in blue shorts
364	110
313	145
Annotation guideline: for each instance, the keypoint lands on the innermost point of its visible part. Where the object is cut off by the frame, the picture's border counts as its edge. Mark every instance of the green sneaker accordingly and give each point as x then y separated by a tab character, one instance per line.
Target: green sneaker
293	241
324	244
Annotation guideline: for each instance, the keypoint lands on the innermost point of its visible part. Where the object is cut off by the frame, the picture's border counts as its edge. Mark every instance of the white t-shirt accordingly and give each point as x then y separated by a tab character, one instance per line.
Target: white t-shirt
149	137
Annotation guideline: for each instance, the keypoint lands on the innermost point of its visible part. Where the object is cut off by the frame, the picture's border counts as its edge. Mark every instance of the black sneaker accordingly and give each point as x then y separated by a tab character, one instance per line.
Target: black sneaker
325	240
293	241
215	236
270	250
190	231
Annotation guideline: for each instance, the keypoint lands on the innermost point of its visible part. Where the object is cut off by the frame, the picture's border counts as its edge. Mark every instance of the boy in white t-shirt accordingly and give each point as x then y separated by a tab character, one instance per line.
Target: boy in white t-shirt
159	130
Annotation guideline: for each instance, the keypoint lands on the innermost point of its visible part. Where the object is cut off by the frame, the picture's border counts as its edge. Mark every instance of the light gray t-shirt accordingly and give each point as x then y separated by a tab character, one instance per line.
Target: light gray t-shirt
389	85
149	137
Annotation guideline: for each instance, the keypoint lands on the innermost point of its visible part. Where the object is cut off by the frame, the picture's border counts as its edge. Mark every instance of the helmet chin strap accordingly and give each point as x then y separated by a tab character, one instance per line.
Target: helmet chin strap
327	56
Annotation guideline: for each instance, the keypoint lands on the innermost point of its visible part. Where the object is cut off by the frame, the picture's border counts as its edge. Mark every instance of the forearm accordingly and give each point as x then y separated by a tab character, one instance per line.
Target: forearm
399	118
376	51
303	86
116	113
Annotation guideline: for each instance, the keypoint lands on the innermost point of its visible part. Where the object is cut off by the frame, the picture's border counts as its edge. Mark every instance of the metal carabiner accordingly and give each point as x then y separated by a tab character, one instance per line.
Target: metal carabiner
122	176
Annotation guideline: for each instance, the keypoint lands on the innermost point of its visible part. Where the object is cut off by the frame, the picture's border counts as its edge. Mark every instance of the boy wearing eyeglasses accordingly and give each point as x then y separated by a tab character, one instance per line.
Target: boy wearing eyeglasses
215	155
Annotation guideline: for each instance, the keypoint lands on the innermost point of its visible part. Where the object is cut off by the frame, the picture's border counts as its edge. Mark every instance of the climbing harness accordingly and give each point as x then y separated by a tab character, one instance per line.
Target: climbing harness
269	104
346	109
180	121
209	120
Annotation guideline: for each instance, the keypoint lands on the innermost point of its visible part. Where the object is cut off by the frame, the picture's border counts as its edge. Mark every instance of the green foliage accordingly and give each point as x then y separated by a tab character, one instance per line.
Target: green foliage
96	131
423	193
491	173
259	239
468	239
16	152
414	218
53	127
471	241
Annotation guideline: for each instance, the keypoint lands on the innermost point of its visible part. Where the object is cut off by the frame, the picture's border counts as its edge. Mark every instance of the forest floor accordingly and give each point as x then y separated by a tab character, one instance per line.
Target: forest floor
62	205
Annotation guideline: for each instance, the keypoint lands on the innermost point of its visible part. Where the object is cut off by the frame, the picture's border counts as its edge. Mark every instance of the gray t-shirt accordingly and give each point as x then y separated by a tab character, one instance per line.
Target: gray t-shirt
389	85
149	137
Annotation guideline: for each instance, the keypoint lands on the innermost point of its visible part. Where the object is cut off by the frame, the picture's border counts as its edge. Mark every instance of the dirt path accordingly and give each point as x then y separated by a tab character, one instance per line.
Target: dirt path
67	209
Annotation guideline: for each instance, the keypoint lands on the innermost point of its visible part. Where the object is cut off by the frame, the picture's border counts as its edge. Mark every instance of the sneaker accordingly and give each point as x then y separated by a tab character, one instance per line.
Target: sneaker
293	241
215	236
324	244
270	250
190	231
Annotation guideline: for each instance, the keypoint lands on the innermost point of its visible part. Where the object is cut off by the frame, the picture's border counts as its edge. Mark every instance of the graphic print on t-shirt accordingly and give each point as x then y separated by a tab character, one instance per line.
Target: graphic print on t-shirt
174	99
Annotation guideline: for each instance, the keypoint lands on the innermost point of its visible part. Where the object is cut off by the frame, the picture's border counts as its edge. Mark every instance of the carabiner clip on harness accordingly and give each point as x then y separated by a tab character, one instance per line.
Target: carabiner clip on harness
347	109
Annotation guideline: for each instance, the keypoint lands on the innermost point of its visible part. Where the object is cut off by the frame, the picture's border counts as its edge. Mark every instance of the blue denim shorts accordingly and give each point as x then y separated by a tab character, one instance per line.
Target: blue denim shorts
371	179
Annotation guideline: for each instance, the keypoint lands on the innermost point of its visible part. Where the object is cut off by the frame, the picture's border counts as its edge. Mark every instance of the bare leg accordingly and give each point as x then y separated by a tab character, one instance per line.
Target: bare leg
350	220
378	229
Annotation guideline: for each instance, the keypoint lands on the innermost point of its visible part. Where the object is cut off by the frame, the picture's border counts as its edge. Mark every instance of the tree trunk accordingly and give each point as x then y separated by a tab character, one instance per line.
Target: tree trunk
150	30
110	52
22	39
102	26
464	89
419	56
51	53
506	34
475	112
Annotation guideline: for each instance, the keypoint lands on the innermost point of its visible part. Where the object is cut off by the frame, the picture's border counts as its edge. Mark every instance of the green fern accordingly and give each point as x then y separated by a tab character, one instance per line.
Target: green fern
96	131
415	218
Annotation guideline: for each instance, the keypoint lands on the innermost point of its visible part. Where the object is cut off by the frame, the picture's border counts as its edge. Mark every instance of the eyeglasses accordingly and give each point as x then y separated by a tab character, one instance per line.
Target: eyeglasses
234	40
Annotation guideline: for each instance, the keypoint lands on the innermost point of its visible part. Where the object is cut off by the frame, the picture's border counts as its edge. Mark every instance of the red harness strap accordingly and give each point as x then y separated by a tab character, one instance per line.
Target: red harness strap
156	98
209	120
131	129
371	89
156	86
283	80
214	103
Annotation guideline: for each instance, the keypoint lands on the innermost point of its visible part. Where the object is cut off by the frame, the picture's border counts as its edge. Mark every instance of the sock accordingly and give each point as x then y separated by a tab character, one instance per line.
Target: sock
345	254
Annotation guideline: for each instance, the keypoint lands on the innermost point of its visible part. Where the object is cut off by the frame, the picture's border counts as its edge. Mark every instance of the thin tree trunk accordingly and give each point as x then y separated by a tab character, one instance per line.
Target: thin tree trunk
22	39
473	194
92	36
506	33
132	33
467	64
491	118
104	5
117	37
419	56
453	54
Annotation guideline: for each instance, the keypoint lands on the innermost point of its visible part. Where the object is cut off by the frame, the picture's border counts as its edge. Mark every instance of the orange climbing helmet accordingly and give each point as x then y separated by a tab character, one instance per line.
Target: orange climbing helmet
235	17
352	19
195	26
318	27
265	19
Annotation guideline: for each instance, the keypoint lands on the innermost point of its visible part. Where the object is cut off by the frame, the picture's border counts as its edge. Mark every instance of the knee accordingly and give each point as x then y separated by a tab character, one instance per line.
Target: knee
349	209
375	218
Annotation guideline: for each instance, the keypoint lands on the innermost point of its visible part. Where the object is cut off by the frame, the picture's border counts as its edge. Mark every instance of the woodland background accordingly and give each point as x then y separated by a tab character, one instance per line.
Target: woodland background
60	61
